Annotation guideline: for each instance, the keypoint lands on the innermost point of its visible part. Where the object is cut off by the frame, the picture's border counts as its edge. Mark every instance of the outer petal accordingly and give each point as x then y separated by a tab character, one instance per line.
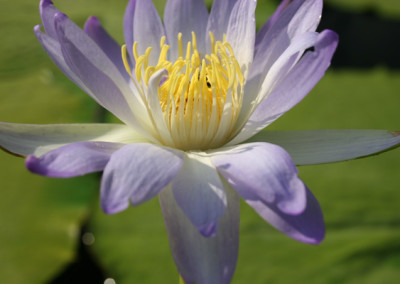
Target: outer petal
266	171
34	139
271	21
128	27
182	16
199	192
53	49
203	260
99	73
299	17
147	29
73	159
47	13
137	172
307	227
325	146
110	47
241	32
293	88
219	18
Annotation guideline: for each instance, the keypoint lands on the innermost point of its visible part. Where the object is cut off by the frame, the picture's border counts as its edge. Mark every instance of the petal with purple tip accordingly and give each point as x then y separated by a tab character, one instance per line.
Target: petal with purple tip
293	88
199	192
137	173
241	32
128	27
47	12
266	171
271	21
72	160
147	29
203	260
98	72
307	227
53	49
35	139
299	17
110	47
308	147
219	18
182	16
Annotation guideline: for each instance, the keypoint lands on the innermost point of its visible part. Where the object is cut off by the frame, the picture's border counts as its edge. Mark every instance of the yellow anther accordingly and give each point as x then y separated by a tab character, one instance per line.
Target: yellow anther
125	60
198	93
212	39
134	50
180	48
194	41
162	42
147	56
188	48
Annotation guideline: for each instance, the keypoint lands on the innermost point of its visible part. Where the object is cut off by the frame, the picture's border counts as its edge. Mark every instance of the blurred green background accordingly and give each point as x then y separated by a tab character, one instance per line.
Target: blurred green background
42	220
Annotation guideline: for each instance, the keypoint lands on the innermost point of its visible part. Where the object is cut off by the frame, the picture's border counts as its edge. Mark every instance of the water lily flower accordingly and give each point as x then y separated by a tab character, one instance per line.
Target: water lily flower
190	91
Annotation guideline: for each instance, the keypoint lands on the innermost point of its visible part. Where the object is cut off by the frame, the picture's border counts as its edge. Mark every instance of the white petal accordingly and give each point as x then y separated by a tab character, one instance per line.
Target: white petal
27	139
199	192
309	147
203	260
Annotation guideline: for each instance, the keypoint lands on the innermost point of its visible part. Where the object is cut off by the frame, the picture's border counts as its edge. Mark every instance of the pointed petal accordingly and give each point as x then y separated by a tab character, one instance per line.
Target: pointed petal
72	160
293	88
47	12
147	29
271	21
265	170
53	49
137	172
203	260
110	47
182	16
325	146
128	27
219	18
299	17
241	33
34	139
98	73
307	227
199	192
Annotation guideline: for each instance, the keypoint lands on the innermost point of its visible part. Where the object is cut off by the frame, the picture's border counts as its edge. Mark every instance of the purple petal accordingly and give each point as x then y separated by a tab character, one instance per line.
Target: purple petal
203	260
307	227
47	12
294	87
219	18
147	29
266	171
28	139
137	172
53	49
271	21
299	17
199	192
309	147
110	47
95	69
241	32
73	160
128	27
182	16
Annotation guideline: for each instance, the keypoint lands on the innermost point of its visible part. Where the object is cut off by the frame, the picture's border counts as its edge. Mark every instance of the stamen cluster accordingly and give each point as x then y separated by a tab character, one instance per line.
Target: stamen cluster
200	95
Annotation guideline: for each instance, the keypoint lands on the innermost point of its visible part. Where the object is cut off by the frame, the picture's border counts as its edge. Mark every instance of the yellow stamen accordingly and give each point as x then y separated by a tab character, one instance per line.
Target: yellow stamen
194	93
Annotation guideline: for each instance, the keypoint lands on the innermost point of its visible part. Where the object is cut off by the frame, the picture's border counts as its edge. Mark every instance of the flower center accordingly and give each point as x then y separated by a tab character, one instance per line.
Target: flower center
200	95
